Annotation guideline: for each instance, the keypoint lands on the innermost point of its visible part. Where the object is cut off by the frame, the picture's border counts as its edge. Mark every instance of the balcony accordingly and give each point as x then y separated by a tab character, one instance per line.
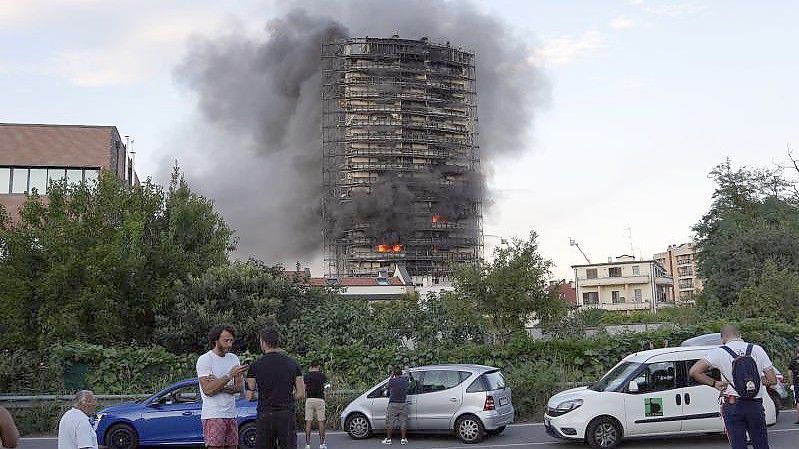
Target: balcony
622	280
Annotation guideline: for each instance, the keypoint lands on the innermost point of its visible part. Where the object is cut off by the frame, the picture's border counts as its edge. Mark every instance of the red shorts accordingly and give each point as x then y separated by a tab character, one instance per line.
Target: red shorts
219	432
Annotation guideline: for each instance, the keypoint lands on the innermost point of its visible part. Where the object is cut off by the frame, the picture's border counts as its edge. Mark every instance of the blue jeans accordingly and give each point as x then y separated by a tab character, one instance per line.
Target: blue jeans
742	417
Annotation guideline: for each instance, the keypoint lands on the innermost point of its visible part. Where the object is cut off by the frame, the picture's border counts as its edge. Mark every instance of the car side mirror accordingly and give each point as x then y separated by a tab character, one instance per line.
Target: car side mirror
632	387
386	393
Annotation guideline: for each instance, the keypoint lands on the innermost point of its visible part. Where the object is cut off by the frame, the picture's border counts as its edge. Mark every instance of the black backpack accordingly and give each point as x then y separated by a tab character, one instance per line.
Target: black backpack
745	375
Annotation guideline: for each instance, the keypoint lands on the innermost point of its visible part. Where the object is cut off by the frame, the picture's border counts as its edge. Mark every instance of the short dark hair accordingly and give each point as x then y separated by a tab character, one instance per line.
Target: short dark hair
270	336
397	371
216	332
315	364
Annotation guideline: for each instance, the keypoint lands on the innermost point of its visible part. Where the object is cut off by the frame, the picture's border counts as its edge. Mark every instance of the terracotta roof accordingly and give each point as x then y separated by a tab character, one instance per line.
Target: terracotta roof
56	145
567	293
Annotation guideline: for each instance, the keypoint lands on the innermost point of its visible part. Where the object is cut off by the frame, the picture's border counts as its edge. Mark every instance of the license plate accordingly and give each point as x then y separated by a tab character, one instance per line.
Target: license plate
503	402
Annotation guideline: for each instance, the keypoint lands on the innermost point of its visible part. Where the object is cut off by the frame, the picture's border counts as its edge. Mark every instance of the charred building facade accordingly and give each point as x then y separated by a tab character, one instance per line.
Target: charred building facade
400	157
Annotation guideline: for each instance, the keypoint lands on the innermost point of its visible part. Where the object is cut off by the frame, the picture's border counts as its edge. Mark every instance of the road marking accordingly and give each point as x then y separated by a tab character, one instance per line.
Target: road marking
532	443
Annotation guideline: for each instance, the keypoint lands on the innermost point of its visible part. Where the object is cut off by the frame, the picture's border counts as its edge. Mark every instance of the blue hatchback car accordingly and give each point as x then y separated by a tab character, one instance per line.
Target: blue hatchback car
170	417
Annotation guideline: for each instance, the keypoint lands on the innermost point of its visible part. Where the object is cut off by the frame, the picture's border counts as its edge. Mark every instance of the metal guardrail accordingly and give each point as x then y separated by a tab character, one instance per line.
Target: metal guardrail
23	401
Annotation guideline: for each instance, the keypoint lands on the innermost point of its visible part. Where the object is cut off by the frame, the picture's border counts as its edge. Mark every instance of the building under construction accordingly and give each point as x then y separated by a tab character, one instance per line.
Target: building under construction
400	157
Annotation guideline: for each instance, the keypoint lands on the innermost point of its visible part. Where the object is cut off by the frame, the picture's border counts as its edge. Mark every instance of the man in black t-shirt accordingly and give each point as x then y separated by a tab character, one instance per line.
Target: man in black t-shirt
793	367
278	378
315	381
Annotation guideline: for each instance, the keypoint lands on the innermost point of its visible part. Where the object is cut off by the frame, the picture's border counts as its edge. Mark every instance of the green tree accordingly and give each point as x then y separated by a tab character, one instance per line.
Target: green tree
247	295
773	294
753	220
510	289
94	262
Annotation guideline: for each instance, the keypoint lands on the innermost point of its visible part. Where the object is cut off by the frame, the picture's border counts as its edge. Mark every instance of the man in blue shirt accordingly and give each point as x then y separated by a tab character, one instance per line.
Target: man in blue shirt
397	411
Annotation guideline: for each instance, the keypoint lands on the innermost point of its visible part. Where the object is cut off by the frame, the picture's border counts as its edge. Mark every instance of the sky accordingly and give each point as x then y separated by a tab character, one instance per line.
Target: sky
641	100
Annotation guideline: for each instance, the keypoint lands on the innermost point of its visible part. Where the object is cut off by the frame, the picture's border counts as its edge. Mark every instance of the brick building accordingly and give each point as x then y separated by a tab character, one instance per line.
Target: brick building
32	155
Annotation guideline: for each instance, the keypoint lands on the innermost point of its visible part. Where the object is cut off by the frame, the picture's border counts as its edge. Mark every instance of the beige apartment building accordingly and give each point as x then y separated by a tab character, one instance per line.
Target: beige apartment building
624	284
680	263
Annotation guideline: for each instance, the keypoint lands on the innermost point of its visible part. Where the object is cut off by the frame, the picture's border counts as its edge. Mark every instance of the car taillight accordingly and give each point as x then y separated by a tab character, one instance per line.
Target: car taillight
489	405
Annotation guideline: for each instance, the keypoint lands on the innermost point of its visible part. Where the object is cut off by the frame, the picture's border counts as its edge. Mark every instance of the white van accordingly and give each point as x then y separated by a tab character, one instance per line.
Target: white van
648	393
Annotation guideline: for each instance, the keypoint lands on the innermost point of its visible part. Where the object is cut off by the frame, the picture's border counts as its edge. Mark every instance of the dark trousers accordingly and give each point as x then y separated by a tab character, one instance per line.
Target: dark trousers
276	429
742	417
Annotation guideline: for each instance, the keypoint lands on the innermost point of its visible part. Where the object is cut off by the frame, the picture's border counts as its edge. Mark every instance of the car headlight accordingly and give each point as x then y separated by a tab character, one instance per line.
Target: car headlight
567	406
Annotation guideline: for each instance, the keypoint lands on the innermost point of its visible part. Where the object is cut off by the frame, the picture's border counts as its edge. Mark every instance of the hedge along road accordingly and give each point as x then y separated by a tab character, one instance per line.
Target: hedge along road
783	435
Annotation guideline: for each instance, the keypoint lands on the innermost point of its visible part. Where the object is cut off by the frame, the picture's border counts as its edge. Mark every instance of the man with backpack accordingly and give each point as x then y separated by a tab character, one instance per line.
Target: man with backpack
745	369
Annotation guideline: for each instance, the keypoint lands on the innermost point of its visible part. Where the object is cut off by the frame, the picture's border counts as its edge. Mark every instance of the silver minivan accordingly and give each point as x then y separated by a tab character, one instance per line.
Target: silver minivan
469	400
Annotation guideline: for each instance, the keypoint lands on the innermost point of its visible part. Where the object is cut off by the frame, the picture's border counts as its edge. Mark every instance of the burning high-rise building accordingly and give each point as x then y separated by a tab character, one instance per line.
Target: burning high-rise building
400	156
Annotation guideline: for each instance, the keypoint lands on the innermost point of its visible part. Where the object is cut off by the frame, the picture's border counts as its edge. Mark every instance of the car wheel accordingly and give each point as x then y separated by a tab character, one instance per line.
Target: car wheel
496	431
247	434
121	436
469	429
777	402
357	426
603	433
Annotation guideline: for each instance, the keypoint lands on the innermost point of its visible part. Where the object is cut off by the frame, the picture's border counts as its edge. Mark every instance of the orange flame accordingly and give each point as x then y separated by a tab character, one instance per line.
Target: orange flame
382	248
438	219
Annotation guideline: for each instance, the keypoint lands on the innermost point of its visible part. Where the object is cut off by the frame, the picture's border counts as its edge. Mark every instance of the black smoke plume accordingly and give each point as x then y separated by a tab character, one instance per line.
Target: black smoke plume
257	146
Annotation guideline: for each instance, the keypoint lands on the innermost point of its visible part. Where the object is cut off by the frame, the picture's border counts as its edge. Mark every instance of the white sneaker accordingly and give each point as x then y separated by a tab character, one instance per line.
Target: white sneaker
404	441
387	441
323	446
307	446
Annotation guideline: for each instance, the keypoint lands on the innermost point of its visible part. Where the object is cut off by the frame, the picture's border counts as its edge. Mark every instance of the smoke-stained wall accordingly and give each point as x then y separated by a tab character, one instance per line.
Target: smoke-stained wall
260	117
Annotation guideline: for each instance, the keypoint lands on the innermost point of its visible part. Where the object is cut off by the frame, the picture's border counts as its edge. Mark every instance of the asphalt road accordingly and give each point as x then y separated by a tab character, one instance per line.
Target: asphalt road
783	435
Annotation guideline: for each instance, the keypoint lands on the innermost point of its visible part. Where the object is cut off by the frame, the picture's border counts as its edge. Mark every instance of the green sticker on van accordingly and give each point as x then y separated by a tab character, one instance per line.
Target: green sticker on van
653	406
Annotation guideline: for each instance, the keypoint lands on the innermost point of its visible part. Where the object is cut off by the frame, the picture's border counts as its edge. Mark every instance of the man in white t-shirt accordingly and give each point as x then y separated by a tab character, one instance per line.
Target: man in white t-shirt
220	375
75	430
740	415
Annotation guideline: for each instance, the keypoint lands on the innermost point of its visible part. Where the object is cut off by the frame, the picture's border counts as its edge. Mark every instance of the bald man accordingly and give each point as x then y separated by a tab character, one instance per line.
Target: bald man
741	415
9	435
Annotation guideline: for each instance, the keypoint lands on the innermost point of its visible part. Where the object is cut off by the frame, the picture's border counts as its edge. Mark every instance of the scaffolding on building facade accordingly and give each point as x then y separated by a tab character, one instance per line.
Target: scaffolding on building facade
399	107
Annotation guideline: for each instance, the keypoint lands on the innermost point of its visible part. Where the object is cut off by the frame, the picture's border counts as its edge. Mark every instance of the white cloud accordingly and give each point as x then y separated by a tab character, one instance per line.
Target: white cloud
667	8
149	48
623	23
563	50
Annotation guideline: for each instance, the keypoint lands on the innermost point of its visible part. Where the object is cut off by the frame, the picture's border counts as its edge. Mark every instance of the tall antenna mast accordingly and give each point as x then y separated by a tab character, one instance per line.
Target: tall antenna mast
573	242
630	238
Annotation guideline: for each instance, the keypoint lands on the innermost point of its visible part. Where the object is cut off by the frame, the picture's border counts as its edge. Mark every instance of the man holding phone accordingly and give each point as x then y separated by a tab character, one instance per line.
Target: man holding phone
221	377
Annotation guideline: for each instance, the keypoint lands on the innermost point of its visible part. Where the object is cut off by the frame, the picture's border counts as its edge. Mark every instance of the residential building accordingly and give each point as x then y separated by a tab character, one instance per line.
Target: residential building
381	287
680	263
623	284
400	157
565	291
32	155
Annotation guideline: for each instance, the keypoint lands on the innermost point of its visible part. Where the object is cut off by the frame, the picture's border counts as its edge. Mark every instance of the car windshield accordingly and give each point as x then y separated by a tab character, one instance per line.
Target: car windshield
615	377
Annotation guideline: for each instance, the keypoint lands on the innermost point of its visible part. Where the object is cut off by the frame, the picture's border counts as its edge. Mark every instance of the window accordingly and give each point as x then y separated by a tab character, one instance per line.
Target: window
614	272
19	180
183	395
56	175
74	176
637	295
590	273
438	380
90	176
5	180
714	373
590	298
658	376
687	295
685	271
684	259
636	270
38	180
616	297
686	283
